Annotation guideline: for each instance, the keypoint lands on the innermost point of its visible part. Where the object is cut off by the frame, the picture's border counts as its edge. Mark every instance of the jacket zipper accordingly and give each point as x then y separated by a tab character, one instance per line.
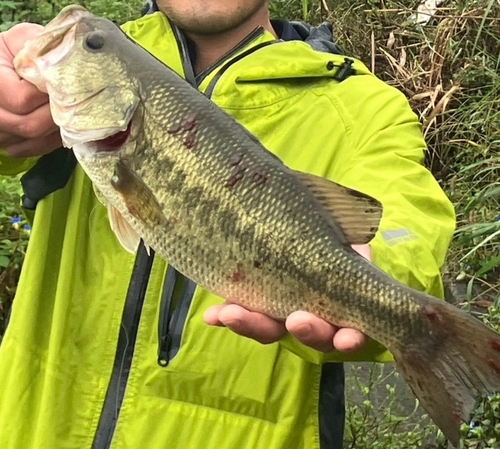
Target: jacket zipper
125	348
211	86
259	31
178	291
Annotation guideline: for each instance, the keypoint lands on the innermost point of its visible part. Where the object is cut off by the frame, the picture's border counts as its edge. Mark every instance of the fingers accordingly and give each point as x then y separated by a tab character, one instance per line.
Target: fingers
26	125
306	327
34	147
349	340
323	336
19	96
249	324
16	37
363	250
37	123
26	98
311	331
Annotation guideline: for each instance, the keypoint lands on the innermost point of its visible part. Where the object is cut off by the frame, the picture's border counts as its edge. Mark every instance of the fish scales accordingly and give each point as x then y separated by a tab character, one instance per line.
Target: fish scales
179	173
230	225
306	233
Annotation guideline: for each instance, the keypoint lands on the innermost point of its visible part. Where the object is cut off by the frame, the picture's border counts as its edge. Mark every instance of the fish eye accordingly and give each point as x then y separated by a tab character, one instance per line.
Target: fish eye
94	40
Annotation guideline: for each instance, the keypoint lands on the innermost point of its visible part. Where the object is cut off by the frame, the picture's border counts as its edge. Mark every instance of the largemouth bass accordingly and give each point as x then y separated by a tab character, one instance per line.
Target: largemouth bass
177	172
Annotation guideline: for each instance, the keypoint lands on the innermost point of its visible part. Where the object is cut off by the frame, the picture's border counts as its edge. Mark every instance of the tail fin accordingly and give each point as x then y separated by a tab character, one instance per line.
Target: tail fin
447	373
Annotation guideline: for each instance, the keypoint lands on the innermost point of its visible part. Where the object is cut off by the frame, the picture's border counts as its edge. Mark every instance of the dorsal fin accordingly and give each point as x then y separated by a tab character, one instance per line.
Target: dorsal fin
357	214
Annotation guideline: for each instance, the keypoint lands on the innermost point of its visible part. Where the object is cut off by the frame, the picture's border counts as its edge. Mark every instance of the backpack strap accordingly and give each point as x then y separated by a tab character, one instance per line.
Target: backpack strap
50	173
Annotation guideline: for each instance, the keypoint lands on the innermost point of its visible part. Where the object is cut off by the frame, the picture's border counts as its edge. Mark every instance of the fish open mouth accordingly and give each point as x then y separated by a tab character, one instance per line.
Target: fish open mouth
97	139
113	142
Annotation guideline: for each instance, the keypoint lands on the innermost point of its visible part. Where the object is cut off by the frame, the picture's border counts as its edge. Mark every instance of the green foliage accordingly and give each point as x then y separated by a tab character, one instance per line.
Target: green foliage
483	431
382	413
306	10
286	8
14	233
42	11
12	12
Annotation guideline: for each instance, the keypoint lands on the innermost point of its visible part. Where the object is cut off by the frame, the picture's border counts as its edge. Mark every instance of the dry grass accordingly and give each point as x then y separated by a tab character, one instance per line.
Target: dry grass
450	71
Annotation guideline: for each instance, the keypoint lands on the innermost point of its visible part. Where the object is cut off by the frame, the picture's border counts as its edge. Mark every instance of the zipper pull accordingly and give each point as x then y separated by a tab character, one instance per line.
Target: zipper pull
178	292
164	338
163	349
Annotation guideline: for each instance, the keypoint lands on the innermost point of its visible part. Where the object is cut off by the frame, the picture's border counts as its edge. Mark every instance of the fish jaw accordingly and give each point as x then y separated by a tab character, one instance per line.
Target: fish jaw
94	109
39	52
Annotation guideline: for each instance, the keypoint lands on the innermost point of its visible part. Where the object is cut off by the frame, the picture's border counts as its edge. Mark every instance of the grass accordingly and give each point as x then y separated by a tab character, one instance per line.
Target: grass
382	413
14	234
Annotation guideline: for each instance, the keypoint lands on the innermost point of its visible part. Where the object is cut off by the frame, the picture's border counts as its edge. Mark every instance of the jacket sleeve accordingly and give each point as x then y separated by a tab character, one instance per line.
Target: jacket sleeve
13	166
383	158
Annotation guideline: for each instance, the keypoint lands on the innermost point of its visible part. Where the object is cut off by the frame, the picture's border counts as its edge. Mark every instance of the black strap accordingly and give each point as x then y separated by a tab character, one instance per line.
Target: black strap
331	406
50	173
125	348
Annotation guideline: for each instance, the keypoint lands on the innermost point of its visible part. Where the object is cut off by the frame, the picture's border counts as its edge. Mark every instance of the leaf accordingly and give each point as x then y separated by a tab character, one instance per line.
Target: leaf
10	5
492	263
4	261
480	244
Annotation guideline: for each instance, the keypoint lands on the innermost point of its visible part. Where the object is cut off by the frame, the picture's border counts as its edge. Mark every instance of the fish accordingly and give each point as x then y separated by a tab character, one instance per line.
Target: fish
178	173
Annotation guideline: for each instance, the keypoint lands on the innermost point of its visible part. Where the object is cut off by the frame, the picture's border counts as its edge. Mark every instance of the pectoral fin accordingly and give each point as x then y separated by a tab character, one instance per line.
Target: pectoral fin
357	214
137	196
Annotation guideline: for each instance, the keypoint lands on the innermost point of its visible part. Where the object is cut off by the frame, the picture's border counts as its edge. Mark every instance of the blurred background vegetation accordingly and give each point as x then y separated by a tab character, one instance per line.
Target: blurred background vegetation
449	68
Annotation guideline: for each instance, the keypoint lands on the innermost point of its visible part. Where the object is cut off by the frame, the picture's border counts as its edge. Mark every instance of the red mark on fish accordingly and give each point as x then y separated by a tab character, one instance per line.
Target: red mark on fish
175	129
259	178
132	209
190	140
235	159
114	142
236	177
494	366
432	315
495	345
190	123
238	276
186	128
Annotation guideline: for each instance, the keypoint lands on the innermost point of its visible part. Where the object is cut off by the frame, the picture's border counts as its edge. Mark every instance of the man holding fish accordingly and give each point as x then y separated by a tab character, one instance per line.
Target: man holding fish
110	349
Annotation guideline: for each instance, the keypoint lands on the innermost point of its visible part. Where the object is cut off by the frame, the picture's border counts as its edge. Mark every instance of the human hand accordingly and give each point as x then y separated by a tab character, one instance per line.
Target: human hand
26	125
309	329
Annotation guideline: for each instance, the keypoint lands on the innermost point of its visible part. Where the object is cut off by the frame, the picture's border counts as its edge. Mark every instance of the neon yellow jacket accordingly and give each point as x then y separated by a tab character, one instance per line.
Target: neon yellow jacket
220	391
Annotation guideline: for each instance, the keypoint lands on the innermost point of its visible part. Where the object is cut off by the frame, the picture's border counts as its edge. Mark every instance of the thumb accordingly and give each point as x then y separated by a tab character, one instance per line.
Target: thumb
16	37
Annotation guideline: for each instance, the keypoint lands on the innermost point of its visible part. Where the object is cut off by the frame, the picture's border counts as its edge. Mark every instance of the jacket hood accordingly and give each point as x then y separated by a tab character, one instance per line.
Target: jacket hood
320	37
